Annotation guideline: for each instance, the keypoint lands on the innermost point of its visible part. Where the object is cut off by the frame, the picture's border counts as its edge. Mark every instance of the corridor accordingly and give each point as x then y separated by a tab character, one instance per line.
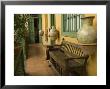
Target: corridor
36	64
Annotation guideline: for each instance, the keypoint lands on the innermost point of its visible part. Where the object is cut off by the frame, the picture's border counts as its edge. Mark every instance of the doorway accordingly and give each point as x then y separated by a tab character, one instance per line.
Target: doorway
36	29
35	24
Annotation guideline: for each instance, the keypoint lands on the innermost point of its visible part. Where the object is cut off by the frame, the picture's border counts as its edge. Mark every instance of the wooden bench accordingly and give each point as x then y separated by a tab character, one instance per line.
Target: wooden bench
68	59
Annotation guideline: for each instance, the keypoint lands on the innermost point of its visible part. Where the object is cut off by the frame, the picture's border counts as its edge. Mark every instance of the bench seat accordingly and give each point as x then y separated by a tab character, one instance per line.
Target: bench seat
59	57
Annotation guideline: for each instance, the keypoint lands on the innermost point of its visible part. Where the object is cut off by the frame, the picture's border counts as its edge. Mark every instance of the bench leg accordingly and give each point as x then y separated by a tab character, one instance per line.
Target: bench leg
47	54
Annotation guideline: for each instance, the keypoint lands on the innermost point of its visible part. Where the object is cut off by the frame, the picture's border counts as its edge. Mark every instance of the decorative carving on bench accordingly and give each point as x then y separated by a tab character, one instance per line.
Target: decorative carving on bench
68	59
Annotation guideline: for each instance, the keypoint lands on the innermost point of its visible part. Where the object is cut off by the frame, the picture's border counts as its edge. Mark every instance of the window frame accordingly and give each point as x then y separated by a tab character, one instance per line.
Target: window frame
72	34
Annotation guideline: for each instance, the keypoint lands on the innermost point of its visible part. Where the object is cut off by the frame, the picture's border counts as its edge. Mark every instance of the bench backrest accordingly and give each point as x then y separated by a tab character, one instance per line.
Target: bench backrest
72	48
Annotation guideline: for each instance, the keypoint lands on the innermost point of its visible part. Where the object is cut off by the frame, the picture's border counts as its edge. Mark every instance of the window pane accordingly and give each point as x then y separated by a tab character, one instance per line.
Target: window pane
75	23
71	22
78	22
67	24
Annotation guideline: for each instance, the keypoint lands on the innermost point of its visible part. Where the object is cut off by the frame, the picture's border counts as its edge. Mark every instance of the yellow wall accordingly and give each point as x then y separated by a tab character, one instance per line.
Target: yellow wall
92	63
45	26
58	26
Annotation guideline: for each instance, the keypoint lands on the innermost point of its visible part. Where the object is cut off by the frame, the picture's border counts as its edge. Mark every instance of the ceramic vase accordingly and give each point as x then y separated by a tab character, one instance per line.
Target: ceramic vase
87	34
53	35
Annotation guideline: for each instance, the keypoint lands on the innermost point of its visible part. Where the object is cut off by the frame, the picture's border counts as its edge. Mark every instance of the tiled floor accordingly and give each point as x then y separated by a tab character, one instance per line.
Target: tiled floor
36	64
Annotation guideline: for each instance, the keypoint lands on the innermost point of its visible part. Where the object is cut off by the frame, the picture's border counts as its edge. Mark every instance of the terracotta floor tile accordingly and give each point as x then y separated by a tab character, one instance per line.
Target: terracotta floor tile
36	65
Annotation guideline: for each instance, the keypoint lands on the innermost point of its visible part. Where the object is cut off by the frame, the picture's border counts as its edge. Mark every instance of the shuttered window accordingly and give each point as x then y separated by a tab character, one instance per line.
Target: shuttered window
71	24
52	19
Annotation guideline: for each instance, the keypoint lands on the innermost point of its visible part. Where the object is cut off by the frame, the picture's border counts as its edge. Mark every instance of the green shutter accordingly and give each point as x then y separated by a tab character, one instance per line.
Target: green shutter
40	26
52	19
40	22
71	23
31	30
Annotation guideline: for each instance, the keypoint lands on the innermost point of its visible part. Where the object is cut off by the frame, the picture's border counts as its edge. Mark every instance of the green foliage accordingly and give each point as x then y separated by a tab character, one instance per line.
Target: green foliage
20	27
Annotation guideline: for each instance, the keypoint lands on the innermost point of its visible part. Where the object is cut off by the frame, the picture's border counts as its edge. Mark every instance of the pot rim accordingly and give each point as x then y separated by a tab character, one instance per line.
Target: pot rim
88	17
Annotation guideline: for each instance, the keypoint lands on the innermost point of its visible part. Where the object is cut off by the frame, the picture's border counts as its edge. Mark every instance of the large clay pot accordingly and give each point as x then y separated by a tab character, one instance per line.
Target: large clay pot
87	34
53	35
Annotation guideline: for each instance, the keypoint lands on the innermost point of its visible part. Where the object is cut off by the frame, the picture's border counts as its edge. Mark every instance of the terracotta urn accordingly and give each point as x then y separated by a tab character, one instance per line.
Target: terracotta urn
53	35
87	34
